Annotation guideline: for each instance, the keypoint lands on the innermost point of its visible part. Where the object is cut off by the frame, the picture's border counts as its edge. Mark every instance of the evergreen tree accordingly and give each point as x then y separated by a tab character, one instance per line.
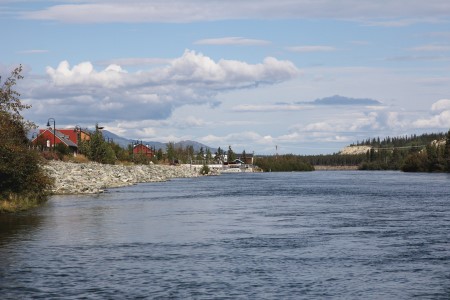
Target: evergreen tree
97	149
159	154
372	154
201	154
190	152
208	155
170	151
415	162
219	155
244	156
230	155
447	151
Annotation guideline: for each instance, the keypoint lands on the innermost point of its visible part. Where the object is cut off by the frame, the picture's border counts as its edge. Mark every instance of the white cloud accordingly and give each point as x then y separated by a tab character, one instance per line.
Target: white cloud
191	121
134	61
267	107
232	41
84	74
192	68
145	133
195	67
238	140
440	119
179	11
320	126
440	106
347	128
335	125
113	93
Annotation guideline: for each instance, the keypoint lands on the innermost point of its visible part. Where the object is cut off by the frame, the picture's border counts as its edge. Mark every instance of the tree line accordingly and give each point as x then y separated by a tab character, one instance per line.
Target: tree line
107	152
401	141
416	153
283	163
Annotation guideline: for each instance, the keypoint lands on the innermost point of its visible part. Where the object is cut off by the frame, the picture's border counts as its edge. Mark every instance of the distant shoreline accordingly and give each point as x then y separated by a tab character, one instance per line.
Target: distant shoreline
335	168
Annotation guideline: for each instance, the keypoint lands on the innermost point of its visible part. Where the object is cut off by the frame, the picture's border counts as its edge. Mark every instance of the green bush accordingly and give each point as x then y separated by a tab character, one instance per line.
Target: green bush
62	150
283	163
21	178
97	149
415	162
205	170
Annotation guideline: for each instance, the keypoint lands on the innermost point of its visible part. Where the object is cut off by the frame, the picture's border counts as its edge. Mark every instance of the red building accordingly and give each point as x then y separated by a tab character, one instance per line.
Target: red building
69	137
76	135
47	139
143	150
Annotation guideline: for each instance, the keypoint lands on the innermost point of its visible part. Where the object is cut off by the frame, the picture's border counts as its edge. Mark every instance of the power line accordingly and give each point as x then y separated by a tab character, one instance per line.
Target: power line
403	147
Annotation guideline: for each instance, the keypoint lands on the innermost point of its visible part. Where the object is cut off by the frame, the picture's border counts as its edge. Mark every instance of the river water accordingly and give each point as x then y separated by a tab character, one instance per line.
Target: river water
333	235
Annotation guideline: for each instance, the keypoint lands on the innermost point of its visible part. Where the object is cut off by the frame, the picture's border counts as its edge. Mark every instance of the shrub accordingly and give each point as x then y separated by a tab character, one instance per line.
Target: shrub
205	170
23	183
415	162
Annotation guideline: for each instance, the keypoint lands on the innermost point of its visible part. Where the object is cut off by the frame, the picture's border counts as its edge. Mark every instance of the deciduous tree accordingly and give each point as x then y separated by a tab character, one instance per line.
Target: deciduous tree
22	181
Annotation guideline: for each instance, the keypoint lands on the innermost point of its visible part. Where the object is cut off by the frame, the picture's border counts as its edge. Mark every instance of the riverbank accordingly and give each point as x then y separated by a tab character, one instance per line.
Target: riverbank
92	178
335	168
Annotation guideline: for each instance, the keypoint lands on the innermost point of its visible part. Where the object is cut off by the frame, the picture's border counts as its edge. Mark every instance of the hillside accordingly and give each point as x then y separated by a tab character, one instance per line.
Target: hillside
354	150
414	153
124	142
403	141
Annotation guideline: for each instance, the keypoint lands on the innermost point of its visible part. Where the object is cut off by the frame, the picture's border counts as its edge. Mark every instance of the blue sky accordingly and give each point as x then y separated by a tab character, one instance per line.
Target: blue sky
242	73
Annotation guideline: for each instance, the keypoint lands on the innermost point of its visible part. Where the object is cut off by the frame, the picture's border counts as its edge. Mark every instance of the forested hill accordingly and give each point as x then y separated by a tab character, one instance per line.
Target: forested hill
415	153
403	141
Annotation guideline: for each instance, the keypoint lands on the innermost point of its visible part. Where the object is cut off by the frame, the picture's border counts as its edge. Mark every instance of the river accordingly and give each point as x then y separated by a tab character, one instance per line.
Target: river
323	234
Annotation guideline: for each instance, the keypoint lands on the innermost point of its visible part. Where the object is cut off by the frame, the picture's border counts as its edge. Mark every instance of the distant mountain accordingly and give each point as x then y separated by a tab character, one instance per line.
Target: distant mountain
121	141
341	100
124	142
196	146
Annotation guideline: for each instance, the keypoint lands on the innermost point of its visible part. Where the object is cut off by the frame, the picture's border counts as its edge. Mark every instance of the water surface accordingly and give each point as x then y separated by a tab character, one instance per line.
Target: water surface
335	235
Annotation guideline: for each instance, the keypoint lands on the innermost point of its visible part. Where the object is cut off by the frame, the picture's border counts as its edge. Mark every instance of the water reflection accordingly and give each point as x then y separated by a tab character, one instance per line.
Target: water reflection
16	227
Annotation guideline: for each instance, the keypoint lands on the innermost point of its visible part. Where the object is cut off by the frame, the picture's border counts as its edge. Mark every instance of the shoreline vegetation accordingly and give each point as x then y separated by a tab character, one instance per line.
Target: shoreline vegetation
23	183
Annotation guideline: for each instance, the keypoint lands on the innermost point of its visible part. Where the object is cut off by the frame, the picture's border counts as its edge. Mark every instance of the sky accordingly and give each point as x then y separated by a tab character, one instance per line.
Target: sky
264	76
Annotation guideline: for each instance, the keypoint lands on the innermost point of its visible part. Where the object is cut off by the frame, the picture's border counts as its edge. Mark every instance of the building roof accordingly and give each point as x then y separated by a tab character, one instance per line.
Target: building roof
142	145
72	133
65	139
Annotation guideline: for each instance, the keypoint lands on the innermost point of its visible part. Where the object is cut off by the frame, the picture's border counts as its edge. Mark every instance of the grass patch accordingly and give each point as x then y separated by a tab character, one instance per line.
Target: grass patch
16	203
80	158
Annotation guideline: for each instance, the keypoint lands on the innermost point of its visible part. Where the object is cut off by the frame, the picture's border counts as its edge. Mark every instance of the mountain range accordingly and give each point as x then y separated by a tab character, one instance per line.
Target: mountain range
124	142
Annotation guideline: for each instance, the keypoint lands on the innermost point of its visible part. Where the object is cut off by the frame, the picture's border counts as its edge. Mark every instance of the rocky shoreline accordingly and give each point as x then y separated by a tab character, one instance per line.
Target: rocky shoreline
92	178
